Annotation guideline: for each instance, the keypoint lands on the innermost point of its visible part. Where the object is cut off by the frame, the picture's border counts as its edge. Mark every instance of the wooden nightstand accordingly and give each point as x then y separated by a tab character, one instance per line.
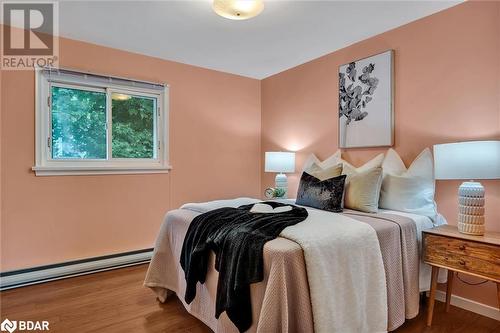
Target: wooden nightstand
445	247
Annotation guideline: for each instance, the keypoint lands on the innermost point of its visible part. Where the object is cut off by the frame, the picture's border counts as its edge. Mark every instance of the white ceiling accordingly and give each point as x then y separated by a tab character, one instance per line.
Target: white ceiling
286	34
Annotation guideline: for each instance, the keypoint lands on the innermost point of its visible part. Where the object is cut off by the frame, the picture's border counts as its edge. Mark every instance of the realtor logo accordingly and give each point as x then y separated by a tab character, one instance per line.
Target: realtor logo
8	325
28	32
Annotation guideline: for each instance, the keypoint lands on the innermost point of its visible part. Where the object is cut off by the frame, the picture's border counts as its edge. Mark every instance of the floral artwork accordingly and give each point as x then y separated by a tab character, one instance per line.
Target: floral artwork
354	98
365	102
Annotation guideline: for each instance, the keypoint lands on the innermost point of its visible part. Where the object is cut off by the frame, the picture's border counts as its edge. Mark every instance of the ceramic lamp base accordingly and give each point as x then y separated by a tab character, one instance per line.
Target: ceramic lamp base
471	208
282	183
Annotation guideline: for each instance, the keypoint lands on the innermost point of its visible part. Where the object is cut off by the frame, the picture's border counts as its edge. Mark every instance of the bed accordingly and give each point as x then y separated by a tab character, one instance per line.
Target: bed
287	300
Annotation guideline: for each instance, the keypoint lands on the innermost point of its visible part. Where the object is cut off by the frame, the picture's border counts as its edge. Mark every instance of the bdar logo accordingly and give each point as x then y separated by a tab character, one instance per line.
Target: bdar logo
24	325
8	325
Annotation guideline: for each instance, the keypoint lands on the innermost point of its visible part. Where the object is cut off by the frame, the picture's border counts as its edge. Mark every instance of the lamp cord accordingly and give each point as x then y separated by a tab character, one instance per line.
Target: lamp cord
470	283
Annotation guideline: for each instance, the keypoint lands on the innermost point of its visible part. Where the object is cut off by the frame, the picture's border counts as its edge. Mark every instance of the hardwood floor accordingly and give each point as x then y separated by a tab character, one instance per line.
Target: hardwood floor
116	301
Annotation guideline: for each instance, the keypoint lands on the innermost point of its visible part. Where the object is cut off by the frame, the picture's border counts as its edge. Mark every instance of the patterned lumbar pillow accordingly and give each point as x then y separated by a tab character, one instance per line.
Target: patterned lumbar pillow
322	194
362	190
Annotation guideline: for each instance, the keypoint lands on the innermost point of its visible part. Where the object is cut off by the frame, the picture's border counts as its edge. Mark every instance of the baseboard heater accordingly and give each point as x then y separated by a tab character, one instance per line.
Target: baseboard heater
35	275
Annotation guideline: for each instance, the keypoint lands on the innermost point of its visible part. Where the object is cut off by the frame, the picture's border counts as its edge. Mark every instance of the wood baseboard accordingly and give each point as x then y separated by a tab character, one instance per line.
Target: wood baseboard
470	305
41	274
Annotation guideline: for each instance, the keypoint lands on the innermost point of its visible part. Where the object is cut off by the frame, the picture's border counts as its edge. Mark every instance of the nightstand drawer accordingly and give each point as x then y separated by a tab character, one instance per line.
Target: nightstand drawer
466	256
462	247
465	264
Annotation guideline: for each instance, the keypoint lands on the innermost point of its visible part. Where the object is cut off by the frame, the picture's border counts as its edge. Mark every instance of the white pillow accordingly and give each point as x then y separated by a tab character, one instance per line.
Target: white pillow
328	163
324	174
348	167
331	161
409	190
350	170
309	162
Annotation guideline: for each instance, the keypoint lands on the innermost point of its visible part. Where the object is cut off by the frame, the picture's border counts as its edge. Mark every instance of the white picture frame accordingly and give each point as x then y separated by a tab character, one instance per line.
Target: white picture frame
366	102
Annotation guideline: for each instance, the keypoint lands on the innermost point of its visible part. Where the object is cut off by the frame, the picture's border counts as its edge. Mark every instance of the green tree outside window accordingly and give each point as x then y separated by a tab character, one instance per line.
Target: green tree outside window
79	125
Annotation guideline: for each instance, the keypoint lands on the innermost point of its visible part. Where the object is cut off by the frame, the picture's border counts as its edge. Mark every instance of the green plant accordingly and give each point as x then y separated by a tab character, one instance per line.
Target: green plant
279	192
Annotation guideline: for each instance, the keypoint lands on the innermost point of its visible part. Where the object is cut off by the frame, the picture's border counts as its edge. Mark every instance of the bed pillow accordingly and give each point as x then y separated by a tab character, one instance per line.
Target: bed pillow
349	169
323	174
357	200
310	160
337	158
322	194
362	190
409	190
329	162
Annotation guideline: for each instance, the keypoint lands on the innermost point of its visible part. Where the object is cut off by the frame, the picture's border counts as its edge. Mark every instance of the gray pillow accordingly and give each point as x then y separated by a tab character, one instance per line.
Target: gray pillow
325	194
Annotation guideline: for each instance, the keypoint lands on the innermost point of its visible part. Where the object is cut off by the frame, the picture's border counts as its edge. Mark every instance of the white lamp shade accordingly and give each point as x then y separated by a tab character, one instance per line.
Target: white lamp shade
280	162
467	160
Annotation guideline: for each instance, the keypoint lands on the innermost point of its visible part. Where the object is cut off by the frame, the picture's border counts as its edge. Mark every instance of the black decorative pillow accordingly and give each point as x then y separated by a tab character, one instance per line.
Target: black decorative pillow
325	194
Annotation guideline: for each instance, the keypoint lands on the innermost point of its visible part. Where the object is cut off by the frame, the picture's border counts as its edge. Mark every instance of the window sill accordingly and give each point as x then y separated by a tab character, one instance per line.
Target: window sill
85	171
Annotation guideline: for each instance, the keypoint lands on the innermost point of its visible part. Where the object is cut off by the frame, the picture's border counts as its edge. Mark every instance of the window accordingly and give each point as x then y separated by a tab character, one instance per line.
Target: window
91	124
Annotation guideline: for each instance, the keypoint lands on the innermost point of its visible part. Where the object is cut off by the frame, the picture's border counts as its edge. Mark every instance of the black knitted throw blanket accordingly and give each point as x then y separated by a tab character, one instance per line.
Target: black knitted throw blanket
237	238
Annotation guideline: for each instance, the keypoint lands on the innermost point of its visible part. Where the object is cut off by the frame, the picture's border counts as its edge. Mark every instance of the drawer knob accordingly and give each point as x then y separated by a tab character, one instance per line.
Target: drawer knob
462	247
462	262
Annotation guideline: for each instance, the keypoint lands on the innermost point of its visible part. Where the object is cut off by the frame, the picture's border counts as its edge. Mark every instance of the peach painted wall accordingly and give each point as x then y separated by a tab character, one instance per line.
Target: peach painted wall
215	121
447	74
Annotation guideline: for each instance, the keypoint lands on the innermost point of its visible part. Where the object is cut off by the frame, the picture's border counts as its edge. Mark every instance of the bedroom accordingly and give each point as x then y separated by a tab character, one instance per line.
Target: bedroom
78	227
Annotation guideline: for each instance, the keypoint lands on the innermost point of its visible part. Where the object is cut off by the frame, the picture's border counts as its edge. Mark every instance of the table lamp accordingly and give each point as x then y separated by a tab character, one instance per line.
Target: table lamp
471	160
280	162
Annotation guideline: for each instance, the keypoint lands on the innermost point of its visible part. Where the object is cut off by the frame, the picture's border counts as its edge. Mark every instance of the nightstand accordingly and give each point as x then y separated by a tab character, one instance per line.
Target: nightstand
445	247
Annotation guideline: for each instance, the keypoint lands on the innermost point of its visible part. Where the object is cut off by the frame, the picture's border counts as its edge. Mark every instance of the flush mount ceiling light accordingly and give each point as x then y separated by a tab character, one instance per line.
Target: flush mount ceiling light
238	9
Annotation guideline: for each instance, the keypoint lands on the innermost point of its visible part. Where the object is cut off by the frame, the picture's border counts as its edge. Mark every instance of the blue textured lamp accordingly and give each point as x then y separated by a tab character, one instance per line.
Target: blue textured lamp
280	162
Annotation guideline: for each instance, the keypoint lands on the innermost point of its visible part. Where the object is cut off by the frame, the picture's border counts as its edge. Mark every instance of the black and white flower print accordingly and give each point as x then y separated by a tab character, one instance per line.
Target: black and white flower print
355	92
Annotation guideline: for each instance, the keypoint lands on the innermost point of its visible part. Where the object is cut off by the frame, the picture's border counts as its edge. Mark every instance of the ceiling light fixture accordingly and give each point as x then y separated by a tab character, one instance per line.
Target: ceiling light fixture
238	9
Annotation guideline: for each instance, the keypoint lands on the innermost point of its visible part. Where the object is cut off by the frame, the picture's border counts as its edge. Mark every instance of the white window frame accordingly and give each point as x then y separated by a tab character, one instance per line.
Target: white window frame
46	166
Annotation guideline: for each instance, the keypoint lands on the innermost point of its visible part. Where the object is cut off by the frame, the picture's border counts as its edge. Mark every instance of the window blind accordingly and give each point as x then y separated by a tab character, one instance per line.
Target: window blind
53	74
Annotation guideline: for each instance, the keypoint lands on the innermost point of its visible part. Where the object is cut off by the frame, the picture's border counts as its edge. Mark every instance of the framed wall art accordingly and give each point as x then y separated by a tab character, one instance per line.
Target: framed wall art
366	111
